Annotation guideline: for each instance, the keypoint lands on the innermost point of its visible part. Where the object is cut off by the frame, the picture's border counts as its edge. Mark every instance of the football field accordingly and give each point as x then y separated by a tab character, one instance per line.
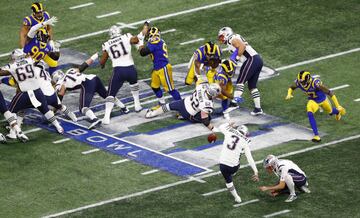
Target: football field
165	167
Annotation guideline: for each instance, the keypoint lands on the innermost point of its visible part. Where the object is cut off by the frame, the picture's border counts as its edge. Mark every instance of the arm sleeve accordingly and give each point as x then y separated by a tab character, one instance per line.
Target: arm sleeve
32	32
145	51
250	159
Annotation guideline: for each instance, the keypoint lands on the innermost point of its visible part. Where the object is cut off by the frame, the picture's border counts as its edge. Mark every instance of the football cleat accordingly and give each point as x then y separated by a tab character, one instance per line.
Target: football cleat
125	110
12	133
233	106
238	199
226	116
338	116
150	113
105	121
179	117
316	139
138	109
291	198
71	116
155	107
257	111
95	123
305	189
341	110
22	137
2	138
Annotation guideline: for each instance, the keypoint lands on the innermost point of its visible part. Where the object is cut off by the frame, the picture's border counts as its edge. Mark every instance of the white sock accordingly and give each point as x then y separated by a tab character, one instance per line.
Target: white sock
135	93
161	100
52	119
108	106
290	184
239	90
118	103
10	117
230	186
20	117
89	113
256	97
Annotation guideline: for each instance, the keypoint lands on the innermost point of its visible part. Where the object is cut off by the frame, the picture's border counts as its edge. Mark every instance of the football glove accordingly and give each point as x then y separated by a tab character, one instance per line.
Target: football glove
289	94
50	22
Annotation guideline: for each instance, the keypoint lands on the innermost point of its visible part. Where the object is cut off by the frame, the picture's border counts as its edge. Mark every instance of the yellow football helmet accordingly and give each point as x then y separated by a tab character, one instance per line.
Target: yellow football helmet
228	67
154	32
38	10
304	78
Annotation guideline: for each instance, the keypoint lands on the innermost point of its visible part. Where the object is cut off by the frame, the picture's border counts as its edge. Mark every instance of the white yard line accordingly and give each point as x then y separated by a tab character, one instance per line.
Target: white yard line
168	31
149	172
276	213
214	192
61	141
340	87
90	151
191	180
192	41
120	161
246	202
32	130
124	25
197	179
317	59
358	99
108	14
81	6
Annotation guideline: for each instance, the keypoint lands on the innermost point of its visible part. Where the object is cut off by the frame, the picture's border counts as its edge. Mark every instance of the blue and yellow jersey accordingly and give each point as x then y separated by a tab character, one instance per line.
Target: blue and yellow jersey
201	57
159	53
222	78
31	21
312	90
36	49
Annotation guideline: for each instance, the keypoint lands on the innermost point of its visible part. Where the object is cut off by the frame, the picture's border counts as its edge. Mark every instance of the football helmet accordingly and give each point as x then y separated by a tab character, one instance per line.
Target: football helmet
42	35
228	67
224	34
114	31
270	161
38	10
154	32
72	71
57	75
17	54
304	78
214	89
243	130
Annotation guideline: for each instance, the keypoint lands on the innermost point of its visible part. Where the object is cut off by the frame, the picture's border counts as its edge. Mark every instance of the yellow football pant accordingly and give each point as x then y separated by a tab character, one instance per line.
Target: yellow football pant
190	77
163	77
312	106
51	62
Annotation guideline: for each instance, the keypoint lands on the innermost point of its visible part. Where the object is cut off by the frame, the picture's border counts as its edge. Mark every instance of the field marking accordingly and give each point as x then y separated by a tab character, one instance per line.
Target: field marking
158	188
340	87
214	192
192	41
81	6
120	161
276	213
32	130
318	59
90	151
197	179
108	14
150	172
123	25
168	31
358	99
246	202
61	141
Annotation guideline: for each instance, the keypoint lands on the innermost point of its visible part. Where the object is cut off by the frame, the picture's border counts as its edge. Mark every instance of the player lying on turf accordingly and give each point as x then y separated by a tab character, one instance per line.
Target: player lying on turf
316	93
195	108
290	175
235	143
89	84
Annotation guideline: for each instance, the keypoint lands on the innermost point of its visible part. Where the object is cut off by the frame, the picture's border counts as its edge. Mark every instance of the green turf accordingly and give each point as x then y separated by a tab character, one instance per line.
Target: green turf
40	177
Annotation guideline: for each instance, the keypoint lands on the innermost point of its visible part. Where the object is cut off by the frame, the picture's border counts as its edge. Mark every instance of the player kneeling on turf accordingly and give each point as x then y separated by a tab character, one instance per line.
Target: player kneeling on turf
290	175
235	144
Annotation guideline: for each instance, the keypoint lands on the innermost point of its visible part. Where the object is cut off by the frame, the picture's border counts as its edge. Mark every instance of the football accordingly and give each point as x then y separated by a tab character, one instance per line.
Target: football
212	138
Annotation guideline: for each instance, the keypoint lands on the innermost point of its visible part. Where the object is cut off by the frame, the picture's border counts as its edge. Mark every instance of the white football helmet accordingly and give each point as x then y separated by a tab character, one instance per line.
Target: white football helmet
72	71
214	89
270	161
17	54
114	31
57	75
243	130
224	34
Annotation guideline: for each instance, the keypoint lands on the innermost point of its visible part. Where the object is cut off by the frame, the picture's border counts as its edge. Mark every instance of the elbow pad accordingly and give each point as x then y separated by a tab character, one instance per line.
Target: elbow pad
83	67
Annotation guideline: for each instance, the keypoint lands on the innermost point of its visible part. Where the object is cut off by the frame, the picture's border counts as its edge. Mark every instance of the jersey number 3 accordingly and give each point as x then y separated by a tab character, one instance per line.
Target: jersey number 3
233	144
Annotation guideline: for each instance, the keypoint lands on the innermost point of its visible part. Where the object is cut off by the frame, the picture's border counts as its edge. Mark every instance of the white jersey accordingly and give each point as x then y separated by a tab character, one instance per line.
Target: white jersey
73	80
284	166
119	50
234	145
45	82
249	51
25	74
199	101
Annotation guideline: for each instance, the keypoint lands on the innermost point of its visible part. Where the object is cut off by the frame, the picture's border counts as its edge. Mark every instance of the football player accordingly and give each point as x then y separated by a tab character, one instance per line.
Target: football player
42	46
290	175
316	93
206	58
89	84
250	69
162	71
195	108
118	48
223	78
27	76
235	143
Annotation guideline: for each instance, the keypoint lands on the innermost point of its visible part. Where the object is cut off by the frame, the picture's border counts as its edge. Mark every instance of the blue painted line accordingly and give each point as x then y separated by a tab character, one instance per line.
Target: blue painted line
123	148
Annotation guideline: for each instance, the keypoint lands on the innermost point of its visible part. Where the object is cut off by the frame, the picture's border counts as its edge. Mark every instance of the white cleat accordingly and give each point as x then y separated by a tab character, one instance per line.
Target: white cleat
2	139
238	199
305	189
95	123
256	112
72	117
138	109
291	198
105	121
22	137
150	114
125	110
12	134
60	130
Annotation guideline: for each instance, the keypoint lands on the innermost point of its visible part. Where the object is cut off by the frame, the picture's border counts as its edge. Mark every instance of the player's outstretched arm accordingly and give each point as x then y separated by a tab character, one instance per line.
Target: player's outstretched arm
4	72
104	58
290	91
251	162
